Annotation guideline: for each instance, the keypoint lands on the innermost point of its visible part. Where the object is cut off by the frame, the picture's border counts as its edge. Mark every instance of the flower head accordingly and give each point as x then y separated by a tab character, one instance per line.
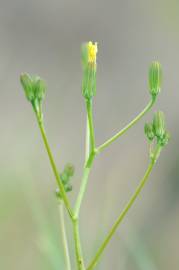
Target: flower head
92	52
89	52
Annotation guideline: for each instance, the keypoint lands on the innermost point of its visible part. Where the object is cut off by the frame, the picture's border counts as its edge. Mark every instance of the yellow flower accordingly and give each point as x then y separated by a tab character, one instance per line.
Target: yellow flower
92	51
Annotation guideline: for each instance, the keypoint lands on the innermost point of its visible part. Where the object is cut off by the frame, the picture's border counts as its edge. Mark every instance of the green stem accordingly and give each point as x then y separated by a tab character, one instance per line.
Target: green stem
78	250
54	168
87	142
126	209
90	123
64	236
88	162
84	183
121	132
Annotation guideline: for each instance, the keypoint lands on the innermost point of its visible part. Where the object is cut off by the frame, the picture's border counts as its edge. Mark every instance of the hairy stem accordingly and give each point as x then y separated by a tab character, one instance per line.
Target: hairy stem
126	209
121	132
64	236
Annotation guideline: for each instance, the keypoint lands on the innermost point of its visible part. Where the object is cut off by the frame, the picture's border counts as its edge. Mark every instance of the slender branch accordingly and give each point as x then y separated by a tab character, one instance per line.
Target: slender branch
78	250
121	132
54	168
64	236
126	209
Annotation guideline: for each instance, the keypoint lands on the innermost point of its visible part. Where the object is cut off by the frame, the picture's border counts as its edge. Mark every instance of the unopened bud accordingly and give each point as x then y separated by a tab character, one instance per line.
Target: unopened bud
39	88
34	88
149	132
69	169
159	124
165	139
27	85
68	188
155	78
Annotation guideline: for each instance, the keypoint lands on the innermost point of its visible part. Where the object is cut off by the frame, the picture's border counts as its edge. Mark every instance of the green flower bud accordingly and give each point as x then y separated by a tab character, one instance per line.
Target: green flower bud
27	85
39	88
65	178
89	52
165	139
66	175
69	169
68	188
149	132
155	78
34	88
159	125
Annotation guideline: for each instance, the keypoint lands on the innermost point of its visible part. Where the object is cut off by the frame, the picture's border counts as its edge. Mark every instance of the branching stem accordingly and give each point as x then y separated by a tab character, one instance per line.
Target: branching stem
126	209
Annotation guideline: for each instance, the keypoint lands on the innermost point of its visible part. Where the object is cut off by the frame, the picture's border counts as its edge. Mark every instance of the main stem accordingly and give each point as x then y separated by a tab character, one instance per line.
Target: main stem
78	249
87	141
64	236
121	132
54	168
89	158
90	123
126	209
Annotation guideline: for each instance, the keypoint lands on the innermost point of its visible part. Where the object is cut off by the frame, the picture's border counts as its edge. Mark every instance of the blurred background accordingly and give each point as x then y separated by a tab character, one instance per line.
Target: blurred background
44	37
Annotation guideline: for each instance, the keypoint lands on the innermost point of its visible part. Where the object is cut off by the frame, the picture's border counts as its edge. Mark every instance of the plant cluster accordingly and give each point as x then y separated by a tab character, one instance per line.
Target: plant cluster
156	134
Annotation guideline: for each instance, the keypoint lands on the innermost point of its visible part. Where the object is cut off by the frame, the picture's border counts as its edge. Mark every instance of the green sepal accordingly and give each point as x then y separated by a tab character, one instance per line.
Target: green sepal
89	81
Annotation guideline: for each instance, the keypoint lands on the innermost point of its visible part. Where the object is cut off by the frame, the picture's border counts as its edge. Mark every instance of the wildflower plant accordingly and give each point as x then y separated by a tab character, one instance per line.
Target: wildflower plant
156	134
